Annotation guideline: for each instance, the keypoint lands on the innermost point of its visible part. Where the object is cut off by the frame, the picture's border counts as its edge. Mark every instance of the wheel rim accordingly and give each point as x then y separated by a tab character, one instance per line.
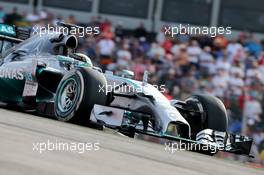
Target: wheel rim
68	95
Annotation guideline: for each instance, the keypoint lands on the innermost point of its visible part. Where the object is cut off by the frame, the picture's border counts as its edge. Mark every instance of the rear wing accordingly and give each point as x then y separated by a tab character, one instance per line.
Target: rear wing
14	34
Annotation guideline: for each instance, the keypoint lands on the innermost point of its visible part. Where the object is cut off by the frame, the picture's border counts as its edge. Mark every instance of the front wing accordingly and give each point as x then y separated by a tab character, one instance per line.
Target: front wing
207	141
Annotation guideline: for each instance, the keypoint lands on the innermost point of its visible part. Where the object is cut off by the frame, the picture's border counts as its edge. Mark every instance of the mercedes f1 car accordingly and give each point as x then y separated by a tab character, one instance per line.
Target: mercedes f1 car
45	75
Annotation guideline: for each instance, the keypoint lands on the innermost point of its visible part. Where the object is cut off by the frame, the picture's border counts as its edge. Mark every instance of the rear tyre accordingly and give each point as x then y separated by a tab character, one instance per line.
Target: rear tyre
77	93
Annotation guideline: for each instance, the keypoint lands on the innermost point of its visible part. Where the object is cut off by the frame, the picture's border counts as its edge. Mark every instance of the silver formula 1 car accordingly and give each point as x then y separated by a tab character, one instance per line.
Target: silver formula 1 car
45	75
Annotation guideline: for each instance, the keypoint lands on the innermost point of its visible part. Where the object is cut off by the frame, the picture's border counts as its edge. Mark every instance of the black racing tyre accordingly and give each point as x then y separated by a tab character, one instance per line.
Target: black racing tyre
214	116
215	112
77	93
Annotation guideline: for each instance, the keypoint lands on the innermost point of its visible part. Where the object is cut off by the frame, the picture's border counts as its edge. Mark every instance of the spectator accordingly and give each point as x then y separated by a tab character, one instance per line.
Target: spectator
119	30
136	50
167	45
206	61
139	68
13	17
223	62
105	49
71	19
140	31
160	37
144	45
124	57
188	85
90	45
253	74
156	51
253	46
233	49
220	82
252	110
2	14
175	48
236	82
33	17
194	52
182	59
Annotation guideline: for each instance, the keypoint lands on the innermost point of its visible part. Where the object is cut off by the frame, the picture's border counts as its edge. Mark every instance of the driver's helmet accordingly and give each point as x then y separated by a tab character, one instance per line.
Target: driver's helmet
127	74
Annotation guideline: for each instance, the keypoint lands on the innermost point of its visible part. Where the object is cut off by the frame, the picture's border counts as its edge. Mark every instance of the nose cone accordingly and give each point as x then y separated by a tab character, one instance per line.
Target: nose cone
171	115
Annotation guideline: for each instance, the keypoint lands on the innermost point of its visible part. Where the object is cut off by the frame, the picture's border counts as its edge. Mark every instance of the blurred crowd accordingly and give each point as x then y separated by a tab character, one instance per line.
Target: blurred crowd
231	69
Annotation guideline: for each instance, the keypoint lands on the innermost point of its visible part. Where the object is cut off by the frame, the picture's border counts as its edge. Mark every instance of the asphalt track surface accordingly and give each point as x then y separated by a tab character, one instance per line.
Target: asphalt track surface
117	154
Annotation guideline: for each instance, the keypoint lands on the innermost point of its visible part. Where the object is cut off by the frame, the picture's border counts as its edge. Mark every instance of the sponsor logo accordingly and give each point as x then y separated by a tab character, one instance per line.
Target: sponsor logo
6	29
16	74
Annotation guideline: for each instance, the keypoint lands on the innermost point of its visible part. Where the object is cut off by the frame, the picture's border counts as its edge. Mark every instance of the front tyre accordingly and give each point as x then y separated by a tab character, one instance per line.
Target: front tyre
214	116
214	111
